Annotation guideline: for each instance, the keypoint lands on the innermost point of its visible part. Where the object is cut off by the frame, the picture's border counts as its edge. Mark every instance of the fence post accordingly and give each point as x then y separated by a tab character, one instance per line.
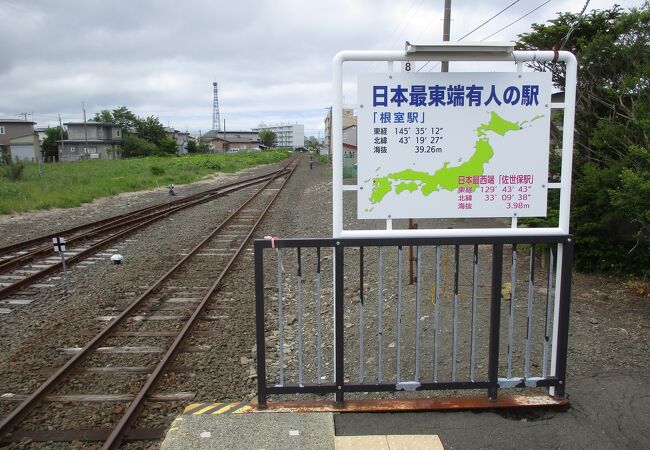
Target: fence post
563	318
495	321
259	324
338	327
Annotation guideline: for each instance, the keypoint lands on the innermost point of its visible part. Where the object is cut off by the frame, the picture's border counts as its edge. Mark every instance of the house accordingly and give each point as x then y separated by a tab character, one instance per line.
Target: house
91	140
180	138
13	128
350	146
348	119
288	135
222	142
25	148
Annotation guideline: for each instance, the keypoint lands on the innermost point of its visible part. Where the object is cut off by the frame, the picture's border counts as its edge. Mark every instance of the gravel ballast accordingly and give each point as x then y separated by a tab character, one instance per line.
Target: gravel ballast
608	320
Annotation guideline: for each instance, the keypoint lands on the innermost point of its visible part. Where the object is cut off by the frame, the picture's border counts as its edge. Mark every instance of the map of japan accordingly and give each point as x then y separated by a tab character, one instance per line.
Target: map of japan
447	177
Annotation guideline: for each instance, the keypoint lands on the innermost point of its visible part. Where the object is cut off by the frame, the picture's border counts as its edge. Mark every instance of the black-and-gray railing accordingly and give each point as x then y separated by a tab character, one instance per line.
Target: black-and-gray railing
337	315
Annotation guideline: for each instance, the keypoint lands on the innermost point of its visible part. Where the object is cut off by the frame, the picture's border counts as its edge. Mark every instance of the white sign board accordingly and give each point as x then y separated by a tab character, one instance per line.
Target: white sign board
59	244
453	145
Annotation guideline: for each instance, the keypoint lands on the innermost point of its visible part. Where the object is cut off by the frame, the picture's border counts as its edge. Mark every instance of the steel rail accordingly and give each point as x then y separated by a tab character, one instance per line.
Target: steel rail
117	435
104	225
24	408
21	284
101	222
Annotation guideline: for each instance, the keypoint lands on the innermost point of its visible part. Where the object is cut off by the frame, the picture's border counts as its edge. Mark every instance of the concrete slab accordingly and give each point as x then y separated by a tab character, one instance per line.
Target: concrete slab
608	410
267	431
391	442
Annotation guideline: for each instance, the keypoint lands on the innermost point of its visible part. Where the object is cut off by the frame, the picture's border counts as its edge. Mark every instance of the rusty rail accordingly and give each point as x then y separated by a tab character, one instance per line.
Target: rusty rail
10	421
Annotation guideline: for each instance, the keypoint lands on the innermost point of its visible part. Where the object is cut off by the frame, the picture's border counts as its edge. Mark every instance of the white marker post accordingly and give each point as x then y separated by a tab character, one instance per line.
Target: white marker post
59	246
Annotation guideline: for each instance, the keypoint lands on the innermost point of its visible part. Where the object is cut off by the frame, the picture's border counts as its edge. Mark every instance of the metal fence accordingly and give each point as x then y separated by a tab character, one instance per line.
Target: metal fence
339	315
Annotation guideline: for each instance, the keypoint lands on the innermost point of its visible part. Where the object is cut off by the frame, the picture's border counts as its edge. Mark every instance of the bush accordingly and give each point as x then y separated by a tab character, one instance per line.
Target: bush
157	170
133	146
14	171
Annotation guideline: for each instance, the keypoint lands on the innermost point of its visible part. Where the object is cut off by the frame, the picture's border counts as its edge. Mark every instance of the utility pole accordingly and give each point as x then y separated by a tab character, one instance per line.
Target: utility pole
446	25
444	67
83	106
61	133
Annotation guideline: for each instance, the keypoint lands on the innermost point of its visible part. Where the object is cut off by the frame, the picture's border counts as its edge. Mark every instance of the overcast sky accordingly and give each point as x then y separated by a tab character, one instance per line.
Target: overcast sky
272	59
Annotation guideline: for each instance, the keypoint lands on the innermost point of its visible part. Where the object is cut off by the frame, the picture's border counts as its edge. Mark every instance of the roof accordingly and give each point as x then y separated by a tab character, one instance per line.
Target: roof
23	135
19	121
237	138
349	126
92	123
214	133
90	141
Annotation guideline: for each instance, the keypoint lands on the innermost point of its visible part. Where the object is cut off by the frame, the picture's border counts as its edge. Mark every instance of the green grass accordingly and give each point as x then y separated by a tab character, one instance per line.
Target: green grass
70	184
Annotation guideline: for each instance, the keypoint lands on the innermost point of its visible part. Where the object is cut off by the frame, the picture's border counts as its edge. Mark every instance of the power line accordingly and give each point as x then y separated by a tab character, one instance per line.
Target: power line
480	26
396	31
512	23
490	19
573	27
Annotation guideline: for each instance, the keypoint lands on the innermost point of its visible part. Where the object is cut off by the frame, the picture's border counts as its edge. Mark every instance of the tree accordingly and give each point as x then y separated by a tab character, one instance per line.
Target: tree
134	146
613	56
120	116
50	145
268	138
148	130
612	133
311	143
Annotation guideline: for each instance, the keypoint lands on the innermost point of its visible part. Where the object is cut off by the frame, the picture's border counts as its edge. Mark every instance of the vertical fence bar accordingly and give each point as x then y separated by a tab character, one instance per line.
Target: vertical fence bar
549	307
299	302
280	316
334	318
563	319
361	319
529	325
454	339
338	322
418	302
380	310
436	319
511	317
495	321
319	337
472	358
259	324
399	312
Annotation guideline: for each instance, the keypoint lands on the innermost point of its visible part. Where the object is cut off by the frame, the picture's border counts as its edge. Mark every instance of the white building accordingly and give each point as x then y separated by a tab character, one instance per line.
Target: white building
289	135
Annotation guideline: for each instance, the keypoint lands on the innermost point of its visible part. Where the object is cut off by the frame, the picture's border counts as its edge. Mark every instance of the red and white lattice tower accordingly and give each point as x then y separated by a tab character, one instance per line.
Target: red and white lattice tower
216	120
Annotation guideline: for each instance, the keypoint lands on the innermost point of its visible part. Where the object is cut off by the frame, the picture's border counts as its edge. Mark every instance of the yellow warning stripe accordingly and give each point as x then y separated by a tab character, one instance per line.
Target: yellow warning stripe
243	409
225	408
192	407
217	408
208	408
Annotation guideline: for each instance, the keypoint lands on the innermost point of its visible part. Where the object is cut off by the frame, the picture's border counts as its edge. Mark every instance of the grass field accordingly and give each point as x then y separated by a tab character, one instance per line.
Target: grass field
70	184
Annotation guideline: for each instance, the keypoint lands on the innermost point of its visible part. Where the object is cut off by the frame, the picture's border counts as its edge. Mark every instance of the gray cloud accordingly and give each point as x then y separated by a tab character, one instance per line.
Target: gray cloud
272	59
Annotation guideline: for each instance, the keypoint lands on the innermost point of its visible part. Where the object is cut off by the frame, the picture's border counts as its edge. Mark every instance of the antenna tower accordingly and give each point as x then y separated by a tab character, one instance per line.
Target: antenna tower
216	120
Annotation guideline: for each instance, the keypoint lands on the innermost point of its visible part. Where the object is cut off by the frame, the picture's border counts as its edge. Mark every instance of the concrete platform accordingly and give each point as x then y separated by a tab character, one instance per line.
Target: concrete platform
251	431
608	410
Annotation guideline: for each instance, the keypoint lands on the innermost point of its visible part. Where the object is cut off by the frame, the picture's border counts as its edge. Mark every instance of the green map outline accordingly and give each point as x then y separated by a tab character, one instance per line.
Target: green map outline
446	177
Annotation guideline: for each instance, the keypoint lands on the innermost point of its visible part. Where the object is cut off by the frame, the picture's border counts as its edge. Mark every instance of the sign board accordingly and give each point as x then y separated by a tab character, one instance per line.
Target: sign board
453	145
59	244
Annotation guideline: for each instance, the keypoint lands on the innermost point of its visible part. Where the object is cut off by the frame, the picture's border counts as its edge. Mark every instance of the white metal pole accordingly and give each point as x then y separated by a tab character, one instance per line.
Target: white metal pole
65	270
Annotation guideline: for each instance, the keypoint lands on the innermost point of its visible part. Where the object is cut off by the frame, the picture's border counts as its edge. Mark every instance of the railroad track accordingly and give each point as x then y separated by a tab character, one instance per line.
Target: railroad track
25	263
167	312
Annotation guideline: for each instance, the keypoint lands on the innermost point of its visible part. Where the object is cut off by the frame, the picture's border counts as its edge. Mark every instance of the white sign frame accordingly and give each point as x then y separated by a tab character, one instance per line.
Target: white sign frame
453	52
